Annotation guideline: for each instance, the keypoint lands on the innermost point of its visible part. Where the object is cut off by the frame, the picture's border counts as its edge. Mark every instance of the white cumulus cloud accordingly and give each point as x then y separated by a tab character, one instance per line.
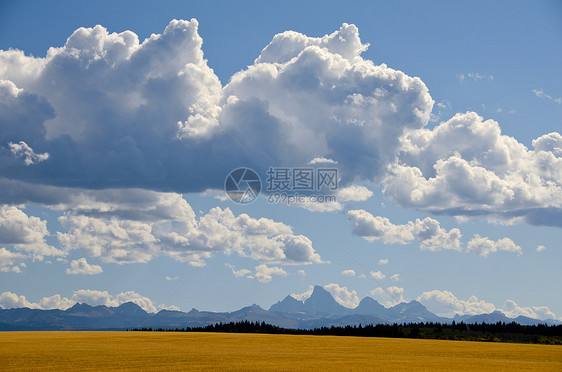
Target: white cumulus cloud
25	234
445	303
393	295
96	298
261	273
10	261
22	150
466	166
110	103
541	248
511	309
304	295
82	267
265	273
428	232
120	228
483	246
354	193
9	300
377	275
342	295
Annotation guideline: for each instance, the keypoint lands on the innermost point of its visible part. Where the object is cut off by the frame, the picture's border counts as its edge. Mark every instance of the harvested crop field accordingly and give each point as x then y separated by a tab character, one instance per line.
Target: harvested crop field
165	351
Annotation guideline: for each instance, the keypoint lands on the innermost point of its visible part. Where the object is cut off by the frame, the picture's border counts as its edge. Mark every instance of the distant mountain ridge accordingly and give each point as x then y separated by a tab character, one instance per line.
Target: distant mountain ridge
320	309
322	305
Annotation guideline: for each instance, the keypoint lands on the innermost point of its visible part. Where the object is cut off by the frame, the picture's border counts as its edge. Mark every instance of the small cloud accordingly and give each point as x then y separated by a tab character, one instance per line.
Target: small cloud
512	310
303	296
172	278
348	272
428	232
383	261
11	260
445	303
238	273
377	275
215	193
342	295
301	273
540	93
21	149
322	161
82	267
395	277
541	248
475	76
168	307
263	273
197	263
354	193
388	297
241	273
482	246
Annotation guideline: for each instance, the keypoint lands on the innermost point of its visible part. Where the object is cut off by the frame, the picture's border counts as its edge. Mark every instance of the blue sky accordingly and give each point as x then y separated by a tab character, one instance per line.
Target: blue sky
106	216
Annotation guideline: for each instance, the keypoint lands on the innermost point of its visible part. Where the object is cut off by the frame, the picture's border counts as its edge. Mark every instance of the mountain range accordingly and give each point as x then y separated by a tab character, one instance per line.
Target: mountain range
320	309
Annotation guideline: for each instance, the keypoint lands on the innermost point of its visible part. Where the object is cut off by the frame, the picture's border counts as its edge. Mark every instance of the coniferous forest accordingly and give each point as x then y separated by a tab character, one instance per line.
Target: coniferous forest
497	332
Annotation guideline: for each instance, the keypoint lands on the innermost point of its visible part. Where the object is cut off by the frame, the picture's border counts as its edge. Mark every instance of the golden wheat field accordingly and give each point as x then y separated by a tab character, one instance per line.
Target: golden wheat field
50	351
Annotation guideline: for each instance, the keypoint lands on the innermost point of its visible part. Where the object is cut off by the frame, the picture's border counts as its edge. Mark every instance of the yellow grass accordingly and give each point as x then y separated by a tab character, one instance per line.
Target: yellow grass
216	351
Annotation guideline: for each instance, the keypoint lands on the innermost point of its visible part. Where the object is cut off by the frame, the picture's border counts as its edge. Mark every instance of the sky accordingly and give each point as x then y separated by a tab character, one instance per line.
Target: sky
120	122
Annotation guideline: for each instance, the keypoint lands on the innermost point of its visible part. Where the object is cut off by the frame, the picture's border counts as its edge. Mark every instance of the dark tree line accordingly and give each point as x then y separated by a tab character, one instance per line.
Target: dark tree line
494	332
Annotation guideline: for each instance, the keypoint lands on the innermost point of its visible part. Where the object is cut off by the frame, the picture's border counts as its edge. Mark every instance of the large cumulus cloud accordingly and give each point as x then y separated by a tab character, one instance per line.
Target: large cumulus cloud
326	101
106	110
428	232
139	227
25	236
466	166
135	225
109	111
